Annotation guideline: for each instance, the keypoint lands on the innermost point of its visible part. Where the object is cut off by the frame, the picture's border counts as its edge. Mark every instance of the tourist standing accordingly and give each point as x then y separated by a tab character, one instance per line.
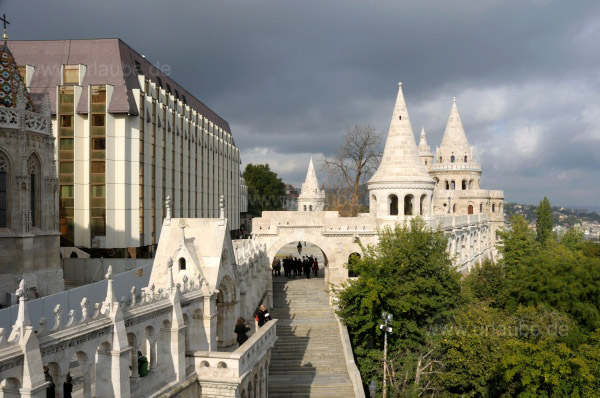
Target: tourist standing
241	329
68	386
315	267
50	393
263	315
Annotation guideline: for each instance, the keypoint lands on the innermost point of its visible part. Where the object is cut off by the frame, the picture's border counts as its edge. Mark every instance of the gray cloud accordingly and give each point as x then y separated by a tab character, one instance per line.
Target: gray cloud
291	76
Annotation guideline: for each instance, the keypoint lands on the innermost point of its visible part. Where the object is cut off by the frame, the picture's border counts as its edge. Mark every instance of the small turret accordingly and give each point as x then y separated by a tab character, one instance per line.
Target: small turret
311	197
424	150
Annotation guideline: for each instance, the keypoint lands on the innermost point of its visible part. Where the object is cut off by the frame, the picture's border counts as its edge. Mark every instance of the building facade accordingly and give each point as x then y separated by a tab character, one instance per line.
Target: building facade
129	138
29	237
407	183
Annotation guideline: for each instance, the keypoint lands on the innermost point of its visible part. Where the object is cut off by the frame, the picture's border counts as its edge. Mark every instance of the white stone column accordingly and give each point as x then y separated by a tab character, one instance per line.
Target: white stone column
134	361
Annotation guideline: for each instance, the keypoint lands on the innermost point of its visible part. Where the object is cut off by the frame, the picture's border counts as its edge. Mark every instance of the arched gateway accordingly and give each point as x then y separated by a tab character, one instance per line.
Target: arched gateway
403	187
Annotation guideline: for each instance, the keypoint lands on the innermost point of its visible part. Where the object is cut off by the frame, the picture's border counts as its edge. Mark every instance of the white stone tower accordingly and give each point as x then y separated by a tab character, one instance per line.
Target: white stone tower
456	168
311	198
425	151
401	186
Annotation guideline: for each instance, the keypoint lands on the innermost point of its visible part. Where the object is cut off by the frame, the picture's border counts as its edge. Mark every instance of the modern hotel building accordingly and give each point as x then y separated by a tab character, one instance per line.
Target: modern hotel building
128	137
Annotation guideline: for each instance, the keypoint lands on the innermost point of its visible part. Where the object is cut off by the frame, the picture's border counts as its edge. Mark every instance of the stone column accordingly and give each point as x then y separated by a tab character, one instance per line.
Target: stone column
134	362
87	381
152	353
178	352
209	320
120	373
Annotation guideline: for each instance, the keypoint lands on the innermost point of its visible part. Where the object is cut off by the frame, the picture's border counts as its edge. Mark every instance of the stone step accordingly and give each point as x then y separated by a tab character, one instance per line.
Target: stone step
308	359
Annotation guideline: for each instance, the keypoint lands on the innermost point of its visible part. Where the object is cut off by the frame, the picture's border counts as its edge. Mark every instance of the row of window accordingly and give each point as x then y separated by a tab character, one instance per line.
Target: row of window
453	159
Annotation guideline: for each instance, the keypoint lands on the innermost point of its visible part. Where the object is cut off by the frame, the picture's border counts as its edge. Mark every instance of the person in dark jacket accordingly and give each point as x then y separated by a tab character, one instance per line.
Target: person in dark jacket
68	386
263	315
241	329
50	393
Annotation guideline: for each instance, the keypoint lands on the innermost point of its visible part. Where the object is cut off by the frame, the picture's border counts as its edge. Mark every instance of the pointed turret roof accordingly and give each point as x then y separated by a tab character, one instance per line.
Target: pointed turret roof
454	135
423	146
400	162
12	87
311	184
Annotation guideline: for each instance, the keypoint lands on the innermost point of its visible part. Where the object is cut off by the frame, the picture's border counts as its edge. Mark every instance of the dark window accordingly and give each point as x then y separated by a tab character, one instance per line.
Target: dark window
184	100
66	121
393	205
181	264
98	143
452	159
408	205
168	88
32	199
176	94
98	120
465	159
470	209
352	259
3	199
159	80
464	185
138	68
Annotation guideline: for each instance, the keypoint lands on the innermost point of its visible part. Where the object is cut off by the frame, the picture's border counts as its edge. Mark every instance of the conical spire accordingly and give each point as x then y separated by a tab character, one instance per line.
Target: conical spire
454	135
400	162
311	184
423	146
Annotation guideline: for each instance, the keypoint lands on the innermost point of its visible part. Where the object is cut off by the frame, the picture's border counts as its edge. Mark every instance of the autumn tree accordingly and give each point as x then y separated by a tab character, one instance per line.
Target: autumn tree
348	172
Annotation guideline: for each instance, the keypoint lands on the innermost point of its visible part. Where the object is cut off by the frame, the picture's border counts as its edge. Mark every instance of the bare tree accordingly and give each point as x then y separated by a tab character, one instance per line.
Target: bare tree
348	172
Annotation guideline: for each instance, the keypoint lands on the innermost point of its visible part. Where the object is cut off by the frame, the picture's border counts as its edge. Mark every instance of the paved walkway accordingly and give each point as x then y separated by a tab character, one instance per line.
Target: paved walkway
308	359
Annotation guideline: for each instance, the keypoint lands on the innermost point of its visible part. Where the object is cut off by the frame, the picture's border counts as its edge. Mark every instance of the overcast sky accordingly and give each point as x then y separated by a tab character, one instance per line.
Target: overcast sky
291	76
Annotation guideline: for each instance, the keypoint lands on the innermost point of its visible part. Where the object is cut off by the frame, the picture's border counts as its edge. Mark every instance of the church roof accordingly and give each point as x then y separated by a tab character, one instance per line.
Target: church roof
400	162
454	135
11	82
423	145
108	61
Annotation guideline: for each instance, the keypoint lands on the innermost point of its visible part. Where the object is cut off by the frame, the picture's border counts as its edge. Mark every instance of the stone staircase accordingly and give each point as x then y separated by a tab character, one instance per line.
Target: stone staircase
308	359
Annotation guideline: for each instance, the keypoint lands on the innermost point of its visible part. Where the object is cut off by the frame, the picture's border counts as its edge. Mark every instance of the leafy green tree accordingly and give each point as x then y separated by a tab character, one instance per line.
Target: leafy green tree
487	282
266	191
544	222
408	273
518	243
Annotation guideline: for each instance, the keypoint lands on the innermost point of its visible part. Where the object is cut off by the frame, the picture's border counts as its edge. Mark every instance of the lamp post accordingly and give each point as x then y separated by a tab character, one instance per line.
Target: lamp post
387	320
299	248
372	388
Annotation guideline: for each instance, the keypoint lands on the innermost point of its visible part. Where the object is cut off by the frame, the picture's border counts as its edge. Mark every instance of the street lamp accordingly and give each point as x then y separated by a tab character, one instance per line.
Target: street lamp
372	388
387	320
299	248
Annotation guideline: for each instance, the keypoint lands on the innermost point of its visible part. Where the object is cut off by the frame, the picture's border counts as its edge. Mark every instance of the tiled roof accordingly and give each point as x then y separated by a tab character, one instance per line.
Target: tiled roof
107	61
10	81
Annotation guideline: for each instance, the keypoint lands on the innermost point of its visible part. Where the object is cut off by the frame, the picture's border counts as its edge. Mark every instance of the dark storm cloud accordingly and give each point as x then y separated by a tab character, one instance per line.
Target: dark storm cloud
290	76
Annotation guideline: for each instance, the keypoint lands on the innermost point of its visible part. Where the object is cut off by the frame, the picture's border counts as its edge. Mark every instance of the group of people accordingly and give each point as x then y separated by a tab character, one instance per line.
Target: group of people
294	266
50	387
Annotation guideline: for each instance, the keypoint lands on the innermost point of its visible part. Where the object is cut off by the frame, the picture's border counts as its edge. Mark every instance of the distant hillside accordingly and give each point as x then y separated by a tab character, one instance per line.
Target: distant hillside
564	216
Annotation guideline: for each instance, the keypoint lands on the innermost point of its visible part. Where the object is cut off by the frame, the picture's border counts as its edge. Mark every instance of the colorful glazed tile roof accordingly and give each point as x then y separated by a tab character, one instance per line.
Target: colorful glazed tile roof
10	81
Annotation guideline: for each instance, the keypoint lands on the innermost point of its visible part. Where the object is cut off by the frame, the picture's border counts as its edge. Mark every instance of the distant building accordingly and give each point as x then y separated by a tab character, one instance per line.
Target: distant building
128	137
291	194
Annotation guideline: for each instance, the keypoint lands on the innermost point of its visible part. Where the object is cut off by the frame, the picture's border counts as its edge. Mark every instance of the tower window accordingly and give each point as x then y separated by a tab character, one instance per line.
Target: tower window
393	201
400	117
465	159
452	159
138	68
181	264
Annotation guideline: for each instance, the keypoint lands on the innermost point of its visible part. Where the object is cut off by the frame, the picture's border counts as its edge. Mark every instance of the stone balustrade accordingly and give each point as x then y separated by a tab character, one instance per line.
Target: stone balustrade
12	118
242	367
